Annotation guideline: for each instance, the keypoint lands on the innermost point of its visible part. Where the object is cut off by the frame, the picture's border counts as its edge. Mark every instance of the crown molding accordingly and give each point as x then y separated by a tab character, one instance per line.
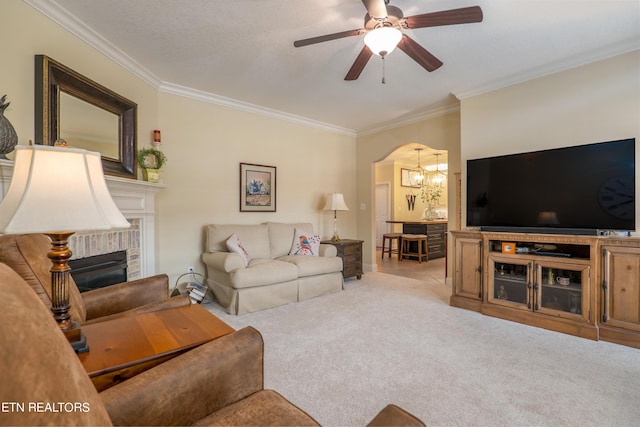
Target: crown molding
68	21
413	118
211	98
75	26
58	14
556	67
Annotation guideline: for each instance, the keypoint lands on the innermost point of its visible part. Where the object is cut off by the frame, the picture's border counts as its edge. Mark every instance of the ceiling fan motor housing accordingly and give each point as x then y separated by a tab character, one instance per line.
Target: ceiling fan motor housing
394	15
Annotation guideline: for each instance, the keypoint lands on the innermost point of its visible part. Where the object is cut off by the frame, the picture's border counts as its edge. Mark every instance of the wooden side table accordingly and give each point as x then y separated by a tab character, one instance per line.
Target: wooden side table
122	348
351	253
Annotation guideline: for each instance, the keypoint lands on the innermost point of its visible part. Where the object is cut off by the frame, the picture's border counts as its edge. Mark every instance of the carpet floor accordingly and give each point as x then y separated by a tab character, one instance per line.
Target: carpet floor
388	339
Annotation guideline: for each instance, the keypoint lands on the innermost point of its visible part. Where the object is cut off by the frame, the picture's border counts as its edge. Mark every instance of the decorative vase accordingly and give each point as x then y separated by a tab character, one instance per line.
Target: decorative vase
151	175
151	161
428	213
8	136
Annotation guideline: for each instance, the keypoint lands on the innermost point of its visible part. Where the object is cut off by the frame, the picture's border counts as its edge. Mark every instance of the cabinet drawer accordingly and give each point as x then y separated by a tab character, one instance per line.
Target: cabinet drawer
432	228
351	250
437	237
351	270
414	229
350	258
436	251
436	248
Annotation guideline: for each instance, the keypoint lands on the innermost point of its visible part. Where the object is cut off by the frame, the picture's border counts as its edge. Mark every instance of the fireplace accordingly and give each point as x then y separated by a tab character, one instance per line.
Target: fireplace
136	201
99	271
103	258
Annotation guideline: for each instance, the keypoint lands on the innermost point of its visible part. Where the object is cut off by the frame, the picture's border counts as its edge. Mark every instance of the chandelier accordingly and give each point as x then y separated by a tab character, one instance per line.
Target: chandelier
419	172
436	177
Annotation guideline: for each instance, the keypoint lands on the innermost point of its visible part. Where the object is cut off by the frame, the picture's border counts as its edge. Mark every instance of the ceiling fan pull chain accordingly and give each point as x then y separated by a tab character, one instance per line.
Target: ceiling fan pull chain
383	70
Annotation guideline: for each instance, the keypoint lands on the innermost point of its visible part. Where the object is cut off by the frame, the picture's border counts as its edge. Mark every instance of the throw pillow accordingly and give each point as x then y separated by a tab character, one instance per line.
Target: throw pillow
305	243
234	245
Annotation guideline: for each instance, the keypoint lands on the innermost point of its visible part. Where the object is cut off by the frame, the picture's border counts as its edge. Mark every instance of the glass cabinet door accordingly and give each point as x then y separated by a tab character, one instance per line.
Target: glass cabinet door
562	290
510	282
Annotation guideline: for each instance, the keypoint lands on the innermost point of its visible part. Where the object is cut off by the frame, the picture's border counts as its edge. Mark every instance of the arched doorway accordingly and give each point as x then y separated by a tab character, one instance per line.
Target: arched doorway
439	130
414	181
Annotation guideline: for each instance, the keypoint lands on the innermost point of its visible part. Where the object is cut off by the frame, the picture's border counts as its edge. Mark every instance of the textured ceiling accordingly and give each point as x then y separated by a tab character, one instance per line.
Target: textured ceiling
243	50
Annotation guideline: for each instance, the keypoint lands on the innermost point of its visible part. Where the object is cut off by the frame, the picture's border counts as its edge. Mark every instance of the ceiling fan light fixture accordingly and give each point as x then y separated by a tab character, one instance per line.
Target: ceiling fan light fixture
383	40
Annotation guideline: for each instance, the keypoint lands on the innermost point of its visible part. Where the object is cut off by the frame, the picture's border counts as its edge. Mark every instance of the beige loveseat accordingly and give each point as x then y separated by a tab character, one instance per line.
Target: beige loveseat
272	276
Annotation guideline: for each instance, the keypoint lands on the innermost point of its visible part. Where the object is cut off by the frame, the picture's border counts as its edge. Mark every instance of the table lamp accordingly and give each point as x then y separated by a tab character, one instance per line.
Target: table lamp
58	191
335	202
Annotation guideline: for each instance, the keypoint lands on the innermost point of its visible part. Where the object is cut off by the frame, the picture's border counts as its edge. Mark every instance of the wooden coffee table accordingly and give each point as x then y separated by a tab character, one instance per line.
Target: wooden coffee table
122	348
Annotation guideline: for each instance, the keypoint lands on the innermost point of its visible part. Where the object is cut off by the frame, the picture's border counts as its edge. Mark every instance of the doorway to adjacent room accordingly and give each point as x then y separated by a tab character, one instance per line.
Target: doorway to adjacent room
411	184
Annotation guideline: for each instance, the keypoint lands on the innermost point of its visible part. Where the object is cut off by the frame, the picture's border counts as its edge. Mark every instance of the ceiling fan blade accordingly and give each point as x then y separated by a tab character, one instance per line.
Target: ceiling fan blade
376	8
464	15
359	64
419	54
327	37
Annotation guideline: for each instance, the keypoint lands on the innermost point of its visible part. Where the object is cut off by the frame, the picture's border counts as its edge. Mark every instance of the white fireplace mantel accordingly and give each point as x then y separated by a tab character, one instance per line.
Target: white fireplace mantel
137	200
134	198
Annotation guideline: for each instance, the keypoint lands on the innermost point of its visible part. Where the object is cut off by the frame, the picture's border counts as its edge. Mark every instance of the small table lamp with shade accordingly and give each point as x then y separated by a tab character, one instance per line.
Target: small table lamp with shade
58	191
335	202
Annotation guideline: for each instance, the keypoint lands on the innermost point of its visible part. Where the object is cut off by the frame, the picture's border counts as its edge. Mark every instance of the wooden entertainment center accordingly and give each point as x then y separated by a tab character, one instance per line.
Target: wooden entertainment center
588	286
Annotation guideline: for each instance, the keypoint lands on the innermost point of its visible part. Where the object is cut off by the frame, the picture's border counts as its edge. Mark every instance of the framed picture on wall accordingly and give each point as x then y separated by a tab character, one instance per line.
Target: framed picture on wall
257	188
408	178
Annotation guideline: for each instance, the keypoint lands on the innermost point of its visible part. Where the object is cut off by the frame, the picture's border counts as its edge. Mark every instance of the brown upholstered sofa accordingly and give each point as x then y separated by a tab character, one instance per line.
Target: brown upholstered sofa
27	255
218	383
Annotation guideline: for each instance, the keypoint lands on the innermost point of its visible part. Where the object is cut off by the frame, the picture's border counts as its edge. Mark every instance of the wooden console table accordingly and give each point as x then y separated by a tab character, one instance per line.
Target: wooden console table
581	285
122	348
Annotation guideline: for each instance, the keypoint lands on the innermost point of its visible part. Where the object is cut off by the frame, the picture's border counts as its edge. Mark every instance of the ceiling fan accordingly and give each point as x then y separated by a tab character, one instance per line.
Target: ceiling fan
382	25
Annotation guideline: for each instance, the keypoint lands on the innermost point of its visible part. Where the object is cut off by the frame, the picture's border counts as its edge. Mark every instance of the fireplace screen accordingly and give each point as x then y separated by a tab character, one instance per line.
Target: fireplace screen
99	271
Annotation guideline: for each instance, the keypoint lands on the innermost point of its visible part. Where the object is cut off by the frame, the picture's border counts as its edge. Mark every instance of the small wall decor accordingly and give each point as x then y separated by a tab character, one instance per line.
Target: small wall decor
55	83
408	178
411	201
257	188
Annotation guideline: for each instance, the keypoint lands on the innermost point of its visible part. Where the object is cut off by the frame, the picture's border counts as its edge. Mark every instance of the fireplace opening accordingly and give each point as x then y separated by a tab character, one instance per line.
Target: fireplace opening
99	271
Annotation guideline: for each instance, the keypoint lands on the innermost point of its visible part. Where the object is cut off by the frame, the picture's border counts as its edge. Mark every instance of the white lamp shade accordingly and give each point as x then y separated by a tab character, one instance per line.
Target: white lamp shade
56	189
383	39
103	196
335	202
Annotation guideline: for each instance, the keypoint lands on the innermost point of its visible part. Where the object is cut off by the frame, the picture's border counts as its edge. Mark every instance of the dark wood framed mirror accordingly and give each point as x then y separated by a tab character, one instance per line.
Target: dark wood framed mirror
86	114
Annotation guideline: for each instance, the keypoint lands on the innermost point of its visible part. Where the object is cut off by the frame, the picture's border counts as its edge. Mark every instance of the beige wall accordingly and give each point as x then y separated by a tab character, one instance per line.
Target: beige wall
440	133
26	33
593	103
204	143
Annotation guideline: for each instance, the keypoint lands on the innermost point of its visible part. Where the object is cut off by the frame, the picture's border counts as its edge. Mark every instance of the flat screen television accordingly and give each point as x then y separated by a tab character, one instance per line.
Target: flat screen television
572	190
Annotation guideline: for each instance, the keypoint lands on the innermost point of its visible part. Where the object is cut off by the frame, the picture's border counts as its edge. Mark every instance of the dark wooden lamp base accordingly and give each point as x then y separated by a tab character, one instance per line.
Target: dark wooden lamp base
76	338
59	256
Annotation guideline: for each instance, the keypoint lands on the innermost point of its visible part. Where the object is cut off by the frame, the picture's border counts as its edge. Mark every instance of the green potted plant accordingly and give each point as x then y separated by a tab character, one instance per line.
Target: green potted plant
151	161
430	194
